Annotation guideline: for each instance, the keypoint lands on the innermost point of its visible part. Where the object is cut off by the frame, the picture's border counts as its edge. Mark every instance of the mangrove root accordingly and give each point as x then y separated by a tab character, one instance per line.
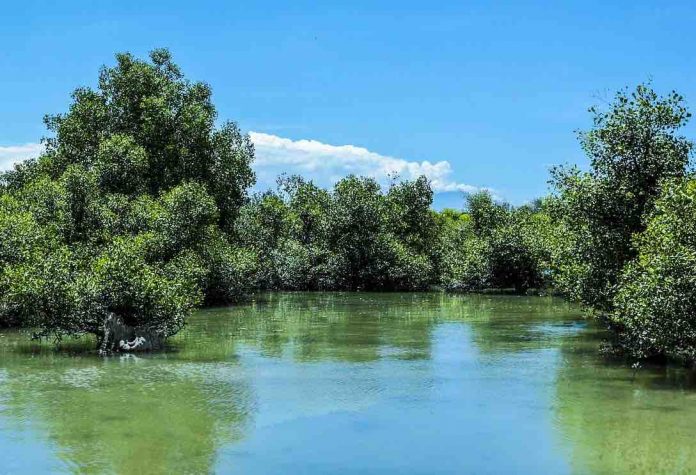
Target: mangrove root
116	336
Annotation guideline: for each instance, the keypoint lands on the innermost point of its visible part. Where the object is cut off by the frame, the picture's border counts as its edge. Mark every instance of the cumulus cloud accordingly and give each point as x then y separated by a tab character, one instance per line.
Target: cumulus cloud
321	162
16	153
325	163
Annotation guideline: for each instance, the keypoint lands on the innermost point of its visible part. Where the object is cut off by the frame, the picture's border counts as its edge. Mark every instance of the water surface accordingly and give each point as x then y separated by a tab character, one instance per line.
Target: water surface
350	383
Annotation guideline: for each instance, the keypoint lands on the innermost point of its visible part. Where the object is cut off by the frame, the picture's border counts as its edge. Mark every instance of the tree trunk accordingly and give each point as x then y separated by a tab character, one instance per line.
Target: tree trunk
116	336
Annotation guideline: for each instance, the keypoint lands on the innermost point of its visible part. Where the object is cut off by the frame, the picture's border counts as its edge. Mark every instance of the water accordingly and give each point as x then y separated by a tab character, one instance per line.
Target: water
349	383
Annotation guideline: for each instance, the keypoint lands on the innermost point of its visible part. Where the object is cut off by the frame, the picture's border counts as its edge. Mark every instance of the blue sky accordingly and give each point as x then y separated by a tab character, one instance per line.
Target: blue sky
476	94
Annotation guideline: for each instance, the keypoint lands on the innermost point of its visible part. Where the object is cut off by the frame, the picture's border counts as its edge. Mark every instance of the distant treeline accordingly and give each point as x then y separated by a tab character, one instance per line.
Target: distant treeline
356	237
138	212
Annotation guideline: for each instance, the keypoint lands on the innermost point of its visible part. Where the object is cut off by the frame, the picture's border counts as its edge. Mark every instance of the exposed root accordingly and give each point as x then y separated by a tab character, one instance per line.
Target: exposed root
138	342
118	337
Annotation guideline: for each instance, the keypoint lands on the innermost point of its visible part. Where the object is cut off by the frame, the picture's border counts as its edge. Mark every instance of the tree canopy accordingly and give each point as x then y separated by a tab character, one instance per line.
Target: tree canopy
632	148
122	220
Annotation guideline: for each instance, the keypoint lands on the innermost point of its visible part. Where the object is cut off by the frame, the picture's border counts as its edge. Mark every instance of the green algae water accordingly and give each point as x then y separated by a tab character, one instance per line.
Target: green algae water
349	383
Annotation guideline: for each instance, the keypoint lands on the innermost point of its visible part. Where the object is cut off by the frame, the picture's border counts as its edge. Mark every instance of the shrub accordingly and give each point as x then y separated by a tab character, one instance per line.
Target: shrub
655	304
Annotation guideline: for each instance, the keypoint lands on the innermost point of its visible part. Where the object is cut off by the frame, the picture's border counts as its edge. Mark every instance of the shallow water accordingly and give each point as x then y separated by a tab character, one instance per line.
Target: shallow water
350	383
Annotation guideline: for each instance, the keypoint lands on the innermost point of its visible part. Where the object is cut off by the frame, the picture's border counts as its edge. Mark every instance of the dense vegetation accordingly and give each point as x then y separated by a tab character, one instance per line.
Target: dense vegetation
138	211
625	246
495	246
122	226
353	237
633	147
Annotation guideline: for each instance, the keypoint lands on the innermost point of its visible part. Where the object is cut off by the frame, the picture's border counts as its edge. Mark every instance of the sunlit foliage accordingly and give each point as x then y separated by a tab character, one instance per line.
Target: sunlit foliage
123	218
632	147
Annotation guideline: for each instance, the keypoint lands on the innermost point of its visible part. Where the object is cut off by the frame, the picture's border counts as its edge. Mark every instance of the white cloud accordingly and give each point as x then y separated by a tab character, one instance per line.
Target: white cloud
325	164
17	153
321	162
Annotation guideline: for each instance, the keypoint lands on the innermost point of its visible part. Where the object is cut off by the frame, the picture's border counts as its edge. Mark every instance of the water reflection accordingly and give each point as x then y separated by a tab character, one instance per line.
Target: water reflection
341	327
118	415
619	421
318	383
